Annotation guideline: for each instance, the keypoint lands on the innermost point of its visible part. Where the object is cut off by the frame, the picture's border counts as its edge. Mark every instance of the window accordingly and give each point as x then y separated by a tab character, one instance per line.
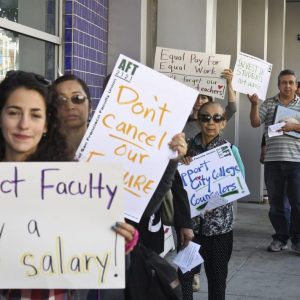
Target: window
30	36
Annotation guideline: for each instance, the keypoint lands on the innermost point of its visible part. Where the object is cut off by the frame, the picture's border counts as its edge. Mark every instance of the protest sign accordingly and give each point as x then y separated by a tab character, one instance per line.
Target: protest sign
251	75
55	229
201	71
212	179
139	113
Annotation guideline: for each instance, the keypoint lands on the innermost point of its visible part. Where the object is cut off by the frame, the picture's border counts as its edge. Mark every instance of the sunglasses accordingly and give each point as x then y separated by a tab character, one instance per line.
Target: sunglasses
76	99
205	118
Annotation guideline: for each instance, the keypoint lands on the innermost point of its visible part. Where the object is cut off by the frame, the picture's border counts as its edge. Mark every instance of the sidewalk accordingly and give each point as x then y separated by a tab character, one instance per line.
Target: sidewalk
255	273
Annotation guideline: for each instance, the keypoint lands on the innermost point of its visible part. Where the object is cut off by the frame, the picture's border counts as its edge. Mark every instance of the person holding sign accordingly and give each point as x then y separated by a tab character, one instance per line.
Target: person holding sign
74	109
191	128
282	162
213	230
29	132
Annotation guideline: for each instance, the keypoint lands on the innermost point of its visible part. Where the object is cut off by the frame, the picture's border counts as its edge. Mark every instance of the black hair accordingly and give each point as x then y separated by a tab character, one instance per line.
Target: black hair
105	81
68	77
210	99
52	146
286	72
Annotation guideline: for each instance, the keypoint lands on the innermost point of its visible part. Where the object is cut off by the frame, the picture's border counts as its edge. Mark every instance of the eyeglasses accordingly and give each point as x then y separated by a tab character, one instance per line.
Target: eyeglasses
75	99
205	118
38	77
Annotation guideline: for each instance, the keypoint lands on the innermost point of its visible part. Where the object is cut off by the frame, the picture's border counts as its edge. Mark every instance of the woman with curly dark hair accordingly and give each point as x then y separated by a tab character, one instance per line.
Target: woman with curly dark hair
29	131
26	100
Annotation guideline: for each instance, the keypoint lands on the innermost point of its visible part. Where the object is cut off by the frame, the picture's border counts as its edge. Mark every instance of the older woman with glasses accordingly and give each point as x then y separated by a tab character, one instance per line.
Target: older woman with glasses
213	231
191	128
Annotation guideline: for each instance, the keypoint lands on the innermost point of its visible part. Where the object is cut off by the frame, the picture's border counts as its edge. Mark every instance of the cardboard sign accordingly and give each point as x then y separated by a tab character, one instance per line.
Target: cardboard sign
251	75
55	226
201	71
139	113
212	179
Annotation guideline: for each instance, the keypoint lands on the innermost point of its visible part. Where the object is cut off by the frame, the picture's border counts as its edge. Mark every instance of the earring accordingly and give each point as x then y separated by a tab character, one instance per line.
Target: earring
44	134
90	117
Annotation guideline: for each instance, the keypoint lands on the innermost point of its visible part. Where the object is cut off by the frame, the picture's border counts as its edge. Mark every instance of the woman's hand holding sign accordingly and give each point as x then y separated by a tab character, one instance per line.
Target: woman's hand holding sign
179	145
130	234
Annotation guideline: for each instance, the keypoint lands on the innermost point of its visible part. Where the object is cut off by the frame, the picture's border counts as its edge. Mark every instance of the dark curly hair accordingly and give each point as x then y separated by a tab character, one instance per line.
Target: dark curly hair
52	146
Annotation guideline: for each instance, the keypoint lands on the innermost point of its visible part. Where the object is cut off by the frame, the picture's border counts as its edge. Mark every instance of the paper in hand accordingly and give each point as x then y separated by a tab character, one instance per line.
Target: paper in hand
188	258
273	130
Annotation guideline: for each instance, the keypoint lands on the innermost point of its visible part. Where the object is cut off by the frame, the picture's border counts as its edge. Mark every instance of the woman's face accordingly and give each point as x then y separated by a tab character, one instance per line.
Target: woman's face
212	120
23	123
72	115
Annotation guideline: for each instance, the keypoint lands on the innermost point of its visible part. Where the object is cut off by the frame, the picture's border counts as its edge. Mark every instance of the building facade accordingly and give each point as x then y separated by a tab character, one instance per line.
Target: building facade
85	37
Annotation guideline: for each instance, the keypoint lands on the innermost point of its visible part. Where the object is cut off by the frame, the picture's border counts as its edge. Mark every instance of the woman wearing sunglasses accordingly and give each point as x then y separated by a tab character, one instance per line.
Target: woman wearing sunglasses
191	128
74	110
214	231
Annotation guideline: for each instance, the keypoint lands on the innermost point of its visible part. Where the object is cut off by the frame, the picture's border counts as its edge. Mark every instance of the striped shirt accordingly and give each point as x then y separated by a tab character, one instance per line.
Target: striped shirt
283	147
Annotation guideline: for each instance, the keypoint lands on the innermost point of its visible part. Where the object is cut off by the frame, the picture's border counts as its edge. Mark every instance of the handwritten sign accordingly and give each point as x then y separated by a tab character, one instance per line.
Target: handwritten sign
212	176
251	75
55	226
139	113
200	71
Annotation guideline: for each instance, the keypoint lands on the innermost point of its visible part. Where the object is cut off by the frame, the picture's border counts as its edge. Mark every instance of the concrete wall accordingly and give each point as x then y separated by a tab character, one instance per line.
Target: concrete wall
124	30
253	42
292	49
181	24
276	37
227	42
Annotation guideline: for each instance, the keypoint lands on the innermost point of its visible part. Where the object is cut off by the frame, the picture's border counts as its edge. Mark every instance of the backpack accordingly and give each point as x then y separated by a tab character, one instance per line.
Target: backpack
151	277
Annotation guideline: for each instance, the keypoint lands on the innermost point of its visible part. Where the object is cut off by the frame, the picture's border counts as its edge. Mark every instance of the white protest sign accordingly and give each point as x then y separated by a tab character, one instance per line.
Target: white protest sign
201	71
139	113
251	75
214	175
55	226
